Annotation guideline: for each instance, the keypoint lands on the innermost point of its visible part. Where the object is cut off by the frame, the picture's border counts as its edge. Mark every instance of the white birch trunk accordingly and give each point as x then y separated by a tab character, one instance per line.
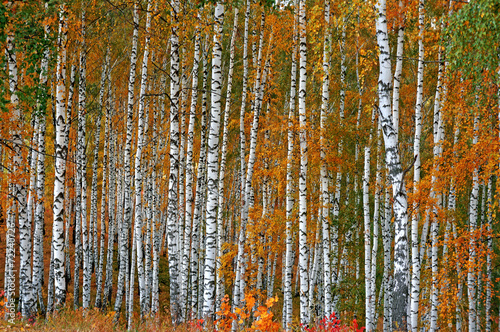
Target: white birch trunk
189	181
127	201
172	215
415	282
200	190
387	281
376	215
213	167
99	277
303	249
238	294
287	276
138	180
325	194
82	109
395	172
94	257
60	169
438	136
222	170
367	230
471	270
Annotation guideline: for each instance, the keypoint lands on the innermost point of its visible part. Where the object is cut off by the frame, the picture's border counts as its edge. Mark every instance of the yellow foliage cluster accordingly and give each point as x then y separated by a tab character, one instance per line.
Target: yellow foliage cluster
263	317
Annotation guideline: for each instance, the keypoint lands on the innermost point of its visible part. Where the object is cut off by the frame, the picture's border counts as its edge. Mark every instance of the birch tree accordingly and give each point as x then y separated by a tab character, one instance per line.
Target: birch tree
395	171
60	169
303	249
126	163
415	282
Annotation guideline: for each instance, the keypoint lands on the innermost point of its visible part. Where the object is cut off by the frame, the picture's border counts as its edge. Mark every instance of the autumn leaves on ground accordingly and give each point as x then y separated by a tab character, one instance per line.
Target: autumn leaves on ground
249	165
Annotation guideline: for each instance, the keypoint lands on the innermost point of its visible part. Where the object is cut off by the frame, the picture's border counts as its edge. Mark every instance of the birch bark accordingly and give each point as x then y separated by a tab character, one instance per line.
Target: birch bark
222	170
172	215
303	249
395	172
127	201
60	169
287	279
325	194
213	166
415	282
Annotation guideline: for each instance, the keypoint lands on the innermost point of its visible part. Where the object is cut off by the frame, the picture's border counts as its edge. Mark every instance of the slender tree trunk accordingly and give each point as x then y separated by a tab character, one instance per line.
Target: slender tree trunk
471	270
395	172
172	215
200	193
70	203
376	215
387	281
367	230
304	306
138	180
82	109
213	166
189	180
325	194
287	277
60	169
238	293
222	170
112	218
438	136
99	278
415	282
127	210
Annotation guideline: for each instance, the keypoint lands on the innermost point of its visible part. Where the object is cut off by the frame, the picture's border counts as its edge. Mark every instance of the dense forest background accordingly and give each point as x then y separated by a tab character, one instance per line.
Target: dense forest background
252	165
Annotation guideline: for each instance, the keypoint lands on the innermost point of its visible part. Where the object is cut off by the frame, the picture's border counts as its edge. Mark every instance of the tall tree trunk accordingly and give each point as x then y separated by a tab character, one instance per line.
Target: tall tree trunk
471	269
415	282
395	172
387	281
303	249
112	216
127	210
376	216
222	170
200	193
213	166
60	169
438	134
70	203
82	110
287	277
325	194
105	82
238	294
138	180
189	180
172	214
367	230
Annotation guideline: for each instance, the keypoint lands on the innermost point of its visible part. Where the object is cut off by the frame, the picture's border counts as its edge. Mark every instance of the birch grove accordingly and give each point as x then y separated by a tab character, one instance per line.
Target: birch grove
271	165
